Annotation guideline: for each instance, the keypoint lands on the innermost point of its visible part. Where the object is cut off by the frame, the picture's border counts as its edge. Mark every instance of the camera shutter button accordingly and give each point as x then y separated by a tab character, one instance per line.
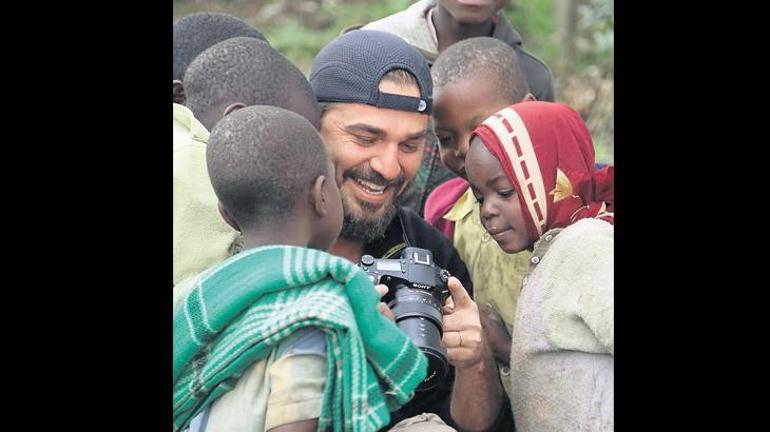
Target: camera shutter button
367	260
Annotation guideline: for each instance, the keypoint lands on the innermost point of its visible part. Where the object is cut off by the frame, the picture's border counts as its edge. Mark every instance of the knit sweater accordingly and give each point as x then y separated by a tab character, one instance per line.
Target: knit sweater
562	358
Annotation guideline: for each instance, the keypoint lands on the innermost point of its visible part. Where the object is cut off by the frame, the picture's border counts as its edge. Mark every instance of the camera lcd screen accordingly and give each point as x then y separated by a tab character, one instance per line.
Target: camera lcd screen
389	265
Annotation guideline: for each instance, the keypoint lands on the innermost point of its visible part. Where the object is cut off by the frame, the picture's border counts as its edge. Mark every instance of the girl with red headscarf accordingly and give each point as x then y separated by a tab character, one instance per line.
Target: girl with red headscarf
531	168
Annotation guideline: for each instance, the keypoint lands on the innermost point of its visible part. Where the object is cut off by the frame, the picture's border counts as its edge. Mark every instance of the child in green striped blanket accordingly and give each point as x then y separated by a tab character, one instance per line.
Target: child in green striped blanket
283	337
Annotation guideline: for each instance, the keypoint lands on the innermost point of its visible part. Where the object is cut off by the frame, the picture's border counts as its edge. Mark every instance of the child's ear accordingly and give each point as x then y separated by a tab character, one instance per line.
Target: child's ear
226	216
529	98
318	196
232	107
177	90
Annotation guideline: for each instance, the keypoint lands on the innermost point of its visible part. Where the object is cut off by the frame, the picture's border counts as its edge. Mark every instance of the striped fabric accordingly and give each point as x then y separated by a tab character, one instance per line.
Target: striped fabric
547	154
236	314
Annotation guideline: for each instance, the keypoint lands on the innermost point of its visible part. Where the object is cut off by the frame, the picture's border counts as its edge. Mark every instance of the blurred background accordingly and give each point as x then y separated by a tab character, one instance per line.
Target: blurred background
574	37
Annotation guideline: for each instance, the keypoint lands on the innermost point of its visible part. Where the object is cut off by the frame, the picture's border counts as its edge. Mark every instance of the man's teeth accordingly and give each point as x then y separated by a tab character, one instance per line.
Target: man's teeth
370	187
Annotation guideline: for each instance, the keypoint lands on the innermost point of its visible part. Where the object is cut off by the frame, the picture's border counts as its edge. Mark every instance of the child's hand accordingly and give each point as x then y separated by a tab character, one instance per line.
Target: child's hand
496	333
382	307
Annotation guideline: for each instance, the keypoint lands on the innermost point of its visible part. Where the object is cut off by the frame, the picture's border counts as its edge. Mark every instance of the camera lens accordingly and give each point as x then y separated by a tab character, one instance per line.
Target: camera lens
427	337
418	314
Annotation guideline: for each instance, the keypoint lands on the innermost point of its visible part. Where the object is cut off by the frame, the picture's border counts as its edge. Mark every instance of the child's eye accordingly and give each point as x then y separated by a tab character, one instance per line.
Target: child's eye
507	193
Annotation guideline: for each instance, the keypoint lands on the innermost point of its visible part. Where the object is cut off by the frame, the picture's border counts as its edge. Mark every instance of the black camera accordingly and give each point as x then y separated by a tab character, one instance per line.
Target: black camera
417	289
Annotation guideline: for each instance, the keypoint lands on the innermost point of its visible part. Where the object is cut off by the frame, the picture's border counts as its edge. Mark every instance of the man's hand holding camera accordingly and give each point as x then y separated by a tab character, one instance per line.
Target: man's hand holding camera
477	392
456	327
463	337
382	306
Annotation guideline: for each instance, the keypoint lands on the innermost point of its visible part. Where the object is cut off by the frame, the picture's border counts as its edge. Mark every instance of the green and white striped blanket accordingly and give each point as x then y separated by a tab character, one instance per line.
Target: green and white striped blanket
239	311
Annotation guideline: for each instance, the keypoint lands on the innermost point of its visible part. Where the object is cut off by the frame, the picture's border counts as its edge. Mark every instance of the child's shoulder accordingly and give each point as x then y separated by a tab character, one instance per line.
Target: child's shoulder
587	229
402	22
443	197
584	240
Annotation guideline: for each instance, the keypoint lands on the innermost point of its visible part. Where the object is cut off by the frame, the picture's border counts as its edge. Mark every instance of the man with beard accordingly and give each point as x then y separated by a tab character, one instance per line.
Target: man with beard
375	92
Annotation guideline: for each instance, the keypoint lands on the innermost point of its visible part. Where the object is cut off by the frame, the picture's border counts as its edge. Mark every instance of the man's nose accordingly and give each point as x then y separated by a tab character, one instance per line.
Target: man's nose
386	163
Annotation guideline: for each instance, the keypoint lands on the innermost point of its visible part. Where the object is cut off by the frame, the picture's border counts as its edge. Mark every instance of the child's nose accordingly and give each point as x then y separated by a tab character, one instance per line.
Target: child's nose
462	148
488	211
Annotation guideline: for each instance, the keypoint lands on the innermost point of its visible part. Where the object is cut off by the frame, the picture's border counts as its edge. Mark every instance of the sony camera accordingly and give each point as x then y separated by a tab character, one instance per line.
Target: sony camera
417	289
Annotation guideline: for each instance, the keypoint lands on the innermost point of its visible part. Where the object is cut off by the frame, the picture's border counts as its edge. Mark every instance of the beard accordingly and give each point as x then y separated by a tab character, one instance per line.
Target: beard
361	225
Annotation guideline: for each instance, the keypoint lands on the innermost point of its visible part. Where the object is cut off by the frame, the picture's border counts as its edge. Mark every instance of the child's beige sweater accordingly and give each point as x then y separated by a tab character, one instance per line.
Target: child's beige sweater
562	363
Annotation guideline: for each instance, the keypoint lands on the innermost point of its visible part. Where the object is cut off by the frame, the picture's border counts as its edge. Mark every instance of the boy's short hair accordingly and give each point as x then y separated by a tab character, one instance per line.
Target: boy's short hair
196	32
246	70
260	160
482	56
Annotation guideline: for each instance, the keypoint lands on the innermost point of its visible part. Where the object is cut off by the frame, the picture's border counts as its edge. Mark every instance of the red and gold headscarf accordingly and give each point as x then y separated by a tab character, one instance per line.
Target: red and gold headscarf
546	151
